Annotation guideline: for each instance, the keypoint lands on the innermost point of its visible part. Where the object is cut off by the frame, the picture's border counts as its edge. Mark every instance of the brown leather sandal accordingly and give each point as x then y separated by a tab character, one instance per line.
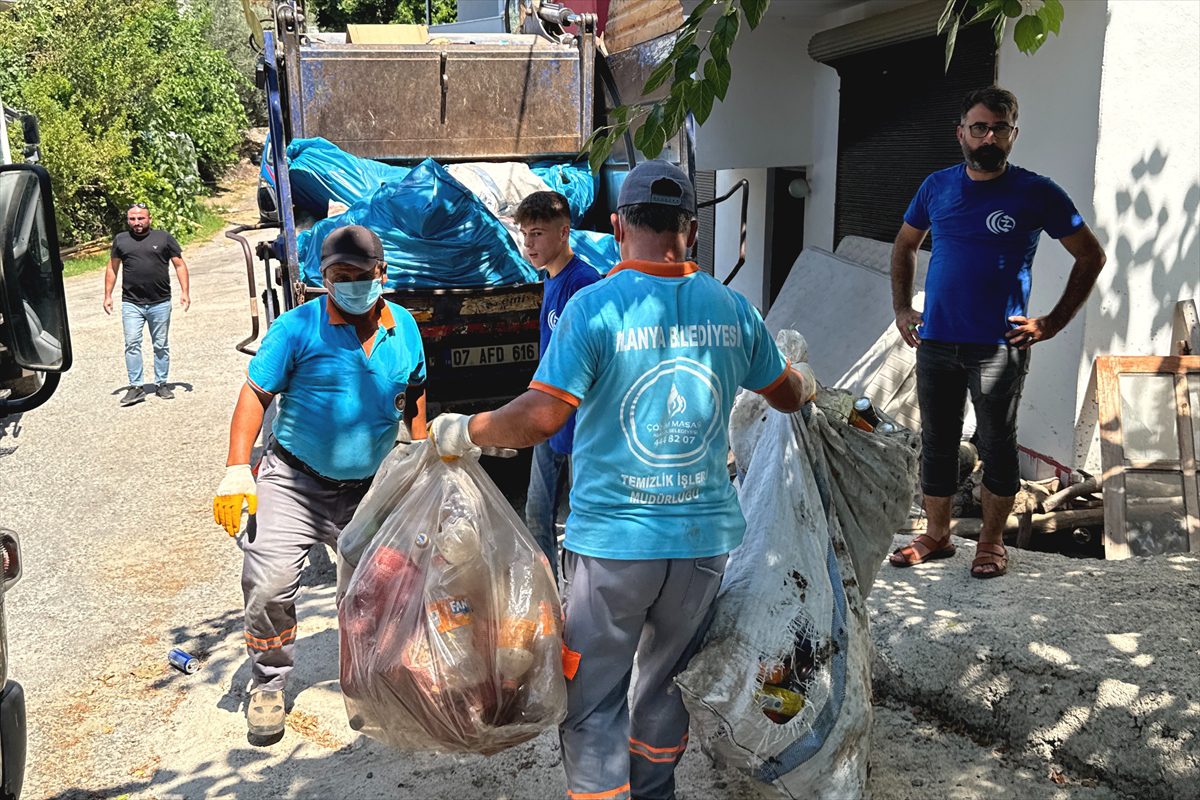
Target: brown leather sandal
922	548
990	555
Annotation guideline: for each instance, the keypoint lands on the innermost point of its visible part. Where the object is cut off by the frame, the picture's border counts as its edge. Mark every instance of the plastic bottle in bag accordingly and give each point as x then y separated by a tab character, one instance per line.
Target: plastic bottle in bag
457	541
522	619
452	622
386	574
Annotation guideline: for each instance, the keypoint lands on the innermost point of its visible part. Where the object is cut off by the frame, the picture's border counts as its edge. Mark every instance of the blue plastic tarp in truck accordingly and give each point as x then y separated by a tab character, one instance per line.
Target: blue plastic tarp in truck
597	250
321	171
573	181
435	232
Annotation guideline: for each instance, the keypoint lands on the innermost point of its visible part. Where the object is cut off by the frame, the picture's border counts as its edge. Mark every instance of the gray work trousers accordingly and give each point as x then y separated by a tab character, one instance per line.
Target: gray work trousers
659	611
295	512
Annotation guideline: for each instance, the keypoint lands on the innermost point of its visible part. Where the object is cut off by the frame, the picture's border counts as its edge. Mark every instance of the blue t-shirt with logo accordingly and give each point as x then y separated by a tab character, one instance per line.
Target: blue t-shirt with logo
654	355
557	291
985	234
339	410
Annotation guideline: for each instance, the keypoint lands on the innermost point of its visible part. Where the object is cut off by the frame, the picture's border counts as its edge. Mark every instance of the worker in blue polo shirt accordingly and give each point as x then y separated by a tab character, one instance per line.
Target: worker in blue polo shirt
652	357
345	368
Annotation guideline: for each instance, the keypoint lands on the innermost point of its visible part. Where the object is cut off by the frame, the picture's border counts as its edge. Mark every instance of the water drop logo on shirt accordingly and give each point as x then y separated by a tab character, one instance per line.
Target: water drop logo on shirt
552	318
669	415
998	222
676	404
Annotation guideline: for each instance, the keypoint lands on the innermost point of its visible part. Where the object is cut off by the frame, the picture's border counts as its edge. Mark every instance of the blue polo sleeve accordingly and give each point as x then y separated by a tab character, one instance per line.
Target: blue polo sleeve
1059	216
767	364
917	214
271	367
416	348
572	360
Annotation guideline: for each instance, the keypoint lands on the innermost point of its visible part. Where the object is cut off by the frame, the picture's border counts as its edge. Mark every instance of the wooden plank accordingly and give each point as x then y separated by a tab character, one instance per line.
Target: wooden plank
1112	458
1185	329
631	22
1150	365
1187	456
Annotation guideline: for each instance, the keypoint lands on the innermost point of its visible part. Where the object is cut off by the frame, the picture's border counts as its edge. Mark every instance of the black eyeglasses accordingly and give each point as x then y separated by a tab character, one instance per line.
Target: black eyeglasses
1001	131
138	205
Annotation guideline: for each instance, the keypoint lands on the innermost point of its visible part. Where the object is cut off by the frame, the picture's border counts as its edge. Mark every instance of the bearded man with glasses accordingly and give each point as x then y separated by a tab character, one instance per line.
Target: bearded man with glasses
974	334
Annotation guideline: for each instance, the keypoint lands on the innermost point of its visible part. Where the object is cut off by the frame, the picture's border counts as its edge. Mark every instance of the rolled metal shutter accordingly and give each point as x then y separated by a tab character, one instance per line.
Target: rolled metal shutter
896	124
706	189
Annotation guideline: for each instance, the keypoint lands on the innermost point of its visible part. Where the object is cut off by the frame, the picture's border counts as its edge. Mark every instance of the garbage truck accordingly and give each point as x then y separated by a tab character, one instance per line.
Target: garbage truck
532	95
35	349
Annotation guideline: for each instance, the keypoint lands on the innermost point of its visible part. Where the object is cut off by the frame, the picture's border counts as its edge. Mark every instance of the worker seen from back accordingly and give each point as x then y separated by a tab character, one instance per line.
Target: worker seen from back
346	369
649	360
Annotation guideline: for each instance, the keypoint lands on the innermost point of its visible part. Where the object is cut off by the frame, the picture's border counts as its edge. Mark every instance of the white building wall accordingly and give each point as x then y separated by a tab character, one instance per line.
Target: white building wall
1147	187
765	121
1058	91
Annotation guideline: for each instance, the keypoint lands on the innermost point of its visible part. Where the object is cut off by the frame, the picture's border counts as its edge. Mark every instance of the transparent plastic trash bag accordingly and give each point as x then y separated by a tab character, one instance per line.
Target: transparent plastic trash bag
451	627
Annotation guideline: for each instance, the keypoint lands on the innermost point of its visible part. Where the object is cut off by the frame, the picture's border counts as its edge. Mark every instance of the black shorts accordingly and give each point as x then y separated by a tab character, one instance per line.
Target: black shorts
993	375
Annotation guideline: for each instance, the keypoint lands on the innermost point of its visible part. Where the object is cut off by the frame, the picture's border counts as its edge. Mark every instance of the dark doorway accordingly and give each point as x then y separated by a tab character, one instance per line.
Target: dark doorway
786	191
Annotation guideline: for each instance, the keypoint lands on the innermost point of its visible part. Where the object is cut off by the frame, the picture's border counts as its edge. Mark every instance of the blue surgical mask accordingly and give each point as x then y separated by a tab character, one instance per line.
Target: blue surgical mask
356	297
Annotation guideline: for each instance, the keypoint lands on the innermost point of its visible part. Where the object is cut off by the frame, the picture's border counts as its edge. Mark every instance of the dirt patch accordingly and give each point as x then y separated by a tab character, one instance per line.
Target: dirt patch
309	726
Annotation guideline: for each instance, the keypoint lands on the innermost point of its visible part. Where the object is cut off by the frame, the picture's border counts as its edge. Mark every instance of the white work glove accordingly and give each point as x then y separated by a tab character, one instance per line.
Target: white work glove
235	488
809	379
450	439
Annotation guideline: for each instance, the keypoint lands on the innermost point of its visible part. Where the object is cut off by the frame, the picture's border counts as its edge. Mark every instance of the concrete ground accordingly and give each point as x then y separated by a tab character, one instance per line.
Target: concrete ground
123	562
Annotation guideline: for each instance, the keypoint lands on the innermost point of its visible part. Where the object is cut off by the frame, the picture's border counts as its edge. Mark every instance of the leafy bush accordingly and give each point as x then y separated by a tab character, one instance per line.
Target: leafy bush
135	104
336	14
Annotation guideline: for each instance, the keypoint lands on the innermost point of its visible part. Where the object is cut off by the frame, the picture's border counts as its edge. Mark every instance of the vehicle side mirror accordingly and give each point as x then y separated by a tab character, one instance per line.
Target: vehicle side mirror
33	302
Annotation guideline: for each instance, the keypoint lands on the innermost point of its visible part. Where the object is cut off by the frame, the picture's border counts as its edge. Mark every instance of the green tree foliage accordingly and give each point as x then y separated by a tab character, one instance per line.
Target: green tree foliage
337	14
227	31
1033	22
699	73
134	102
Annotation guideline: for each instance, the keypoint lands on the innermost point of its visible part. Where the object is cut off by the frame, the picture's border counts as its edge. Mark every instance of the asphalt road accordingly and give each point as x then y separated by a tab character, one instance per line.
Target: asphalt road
123	562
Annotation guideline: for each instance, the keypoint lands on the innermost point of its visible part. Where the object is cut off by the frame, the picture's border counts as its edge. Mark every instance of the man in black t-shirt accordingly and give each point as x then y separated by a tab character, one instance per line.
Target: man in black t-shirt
146	296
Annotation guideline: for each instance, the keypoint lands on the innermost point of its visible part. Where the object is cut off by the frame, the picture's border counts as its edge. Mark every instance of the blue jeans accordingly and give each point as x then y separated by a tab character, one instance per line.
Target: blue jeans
158	317
549	483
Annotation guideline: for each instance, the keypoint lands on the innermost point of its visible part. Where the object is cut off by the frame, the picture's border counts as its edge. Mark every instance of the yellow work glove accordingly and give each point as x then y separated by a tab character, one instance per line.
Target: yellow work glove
236	487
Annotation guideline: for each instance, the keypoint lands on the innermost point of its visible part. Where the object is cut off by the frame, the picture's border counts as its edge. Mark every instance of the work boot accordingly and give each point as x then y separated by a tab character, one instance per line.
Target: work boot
136	394
164	392
264	717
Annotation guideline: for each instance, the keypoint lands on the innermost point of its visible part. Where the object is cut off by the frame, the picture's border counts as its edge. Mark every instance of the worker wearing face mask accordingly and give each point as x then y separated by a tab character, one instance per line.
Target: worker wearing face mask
346	369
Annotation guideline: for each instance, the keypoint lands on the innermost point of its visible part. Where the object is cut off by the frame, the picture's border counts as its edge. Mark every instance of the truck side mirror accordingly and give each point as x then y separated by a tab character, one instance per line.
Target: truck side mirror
33	303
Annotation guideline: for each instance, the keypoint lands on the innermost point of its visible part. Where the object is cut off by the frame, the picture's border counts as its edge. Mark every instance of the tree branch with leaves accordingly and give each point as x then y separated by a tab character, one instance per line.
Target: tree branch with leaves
1035	20
699	71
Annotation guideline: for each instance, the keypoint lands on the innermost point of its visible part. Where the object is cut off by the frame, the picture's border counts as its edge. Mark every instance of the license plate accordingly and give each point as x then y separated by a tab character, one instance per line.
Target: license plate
493	354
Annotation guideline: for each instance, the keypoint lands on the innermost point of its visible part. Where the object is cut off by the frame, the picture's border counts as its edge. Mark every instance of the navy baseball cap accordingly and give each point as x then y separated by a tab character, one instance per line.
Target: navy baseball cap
660	183
354	245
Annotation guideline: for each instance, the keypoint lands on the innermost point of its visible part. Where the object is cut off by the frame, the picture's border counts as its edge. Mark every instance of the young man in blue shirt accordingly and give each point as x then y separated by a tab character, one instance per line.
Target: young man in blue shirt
975	332
346	369
544	219
651	357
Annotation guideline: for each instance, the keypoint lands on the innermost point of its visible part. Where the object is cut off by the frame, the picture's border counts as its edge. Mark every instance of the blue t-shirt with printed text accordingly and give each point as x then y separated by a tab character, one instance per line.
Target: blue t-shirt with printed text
339	410
557	291
985	235
654	355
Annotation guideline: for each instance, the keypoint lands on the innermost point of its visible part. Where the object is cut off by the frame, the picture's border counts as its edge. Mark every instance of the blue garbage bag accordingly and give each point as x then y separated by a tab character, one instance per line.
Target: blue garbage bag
573	181
435	233
321	171
598	250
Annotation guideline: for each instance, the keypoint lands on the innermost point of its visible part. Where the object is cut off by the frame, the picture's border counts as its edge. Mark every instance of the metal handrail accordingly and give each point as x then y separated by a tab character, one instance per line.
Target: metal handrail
744	186
235	234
